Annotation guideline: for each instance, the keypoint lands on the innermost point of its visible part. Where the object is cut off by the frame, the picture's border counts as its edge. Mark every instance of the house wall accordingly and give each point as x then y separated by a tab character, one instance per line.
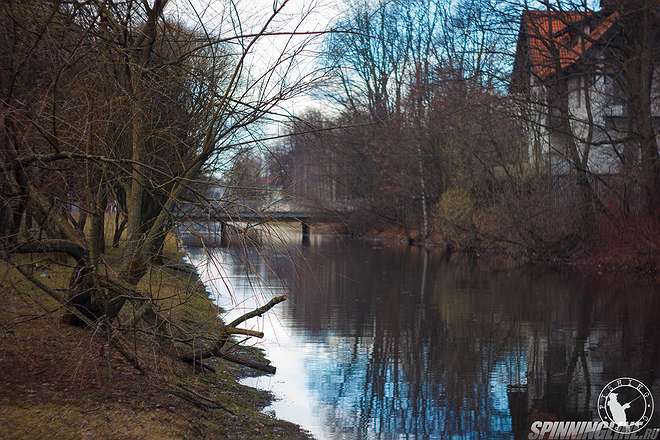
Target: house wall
538	135
655	103
589	123
655	94
606	119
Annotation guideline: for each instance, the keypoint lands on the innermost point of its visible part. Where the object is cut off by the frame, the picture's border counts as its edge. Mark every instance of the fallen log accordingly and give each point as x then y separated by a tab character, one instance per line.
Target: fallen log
266	368
217	350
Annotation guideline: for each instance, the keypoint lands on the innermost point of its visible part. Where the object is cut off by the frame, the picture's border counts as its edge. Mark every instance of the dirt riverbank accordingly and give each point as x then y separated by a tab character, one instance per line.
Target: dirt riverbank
63	382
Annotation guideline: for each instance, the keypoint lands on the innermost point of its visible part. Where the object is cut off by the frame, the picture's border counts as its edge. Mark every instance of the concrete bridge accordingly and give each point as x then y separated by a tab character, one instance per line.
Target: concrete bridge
304	218
225	213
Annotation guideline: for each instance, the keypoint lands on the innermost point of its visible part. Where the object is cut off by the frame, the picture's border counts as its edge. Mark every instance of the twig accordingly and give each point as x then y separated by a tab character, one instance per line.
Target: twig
198	399
259	311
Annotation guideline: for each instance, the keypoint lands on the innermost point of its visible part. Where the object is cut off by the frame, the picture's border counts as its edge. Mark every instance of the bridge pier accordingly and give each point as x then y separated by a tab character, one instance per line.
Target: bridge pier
305	233
223	234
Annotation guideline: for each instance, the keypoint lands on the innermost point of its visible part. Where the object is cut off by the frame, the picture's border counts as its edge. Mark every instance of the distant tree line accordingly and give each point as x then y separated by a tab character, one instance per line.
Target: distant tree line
439	107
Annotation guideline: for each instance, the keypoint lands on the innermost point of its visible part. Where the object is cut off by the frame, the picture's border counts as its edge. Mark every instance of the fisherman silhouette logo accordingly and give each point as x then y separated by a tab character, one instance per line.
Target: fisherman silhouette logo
626	404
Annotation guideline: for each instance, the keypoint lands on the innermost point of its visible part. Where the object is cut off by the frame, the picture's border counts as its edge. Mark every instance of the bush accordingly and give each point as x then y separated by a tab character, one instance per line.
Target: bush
456	211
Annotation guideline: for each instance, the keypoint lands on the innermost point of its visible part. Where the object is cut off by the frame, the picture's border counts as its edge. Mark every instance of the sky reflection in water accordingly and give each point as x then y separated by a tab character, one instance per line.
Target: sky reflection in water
400	344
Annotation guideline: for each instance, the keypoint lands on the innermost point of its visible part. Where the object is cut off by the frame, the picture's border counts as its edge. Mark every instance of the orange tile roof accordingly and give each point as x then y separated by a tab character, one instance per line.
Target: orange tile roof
555	39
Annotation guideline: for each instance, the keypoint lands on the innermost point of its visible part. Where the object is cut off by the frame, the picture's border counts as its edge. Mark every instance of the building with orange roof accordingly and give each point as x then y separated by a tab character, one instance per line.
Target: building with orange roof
566	62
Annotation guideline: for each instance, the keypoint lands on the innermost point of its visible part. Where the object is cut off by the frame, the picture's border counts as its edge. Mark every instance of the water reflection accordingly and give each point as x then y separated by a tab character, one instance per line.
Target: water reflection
378	343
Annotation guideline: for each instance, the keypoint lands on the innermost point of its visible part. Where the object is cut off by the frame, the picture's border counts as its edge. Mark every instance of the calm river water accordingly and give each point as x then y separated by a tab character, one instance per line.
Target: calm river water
378	343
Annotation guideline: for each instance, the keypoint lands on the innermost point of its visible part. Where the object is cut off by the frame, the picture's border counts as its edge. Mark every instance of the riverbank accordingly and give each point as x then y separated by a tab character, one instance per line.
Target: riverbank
62	382
621	248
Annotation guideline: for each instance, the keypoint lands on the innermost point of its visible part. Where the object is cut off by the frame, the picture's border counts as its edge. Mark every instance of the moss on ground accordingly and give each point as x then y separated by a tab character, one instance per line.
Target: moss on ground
64	382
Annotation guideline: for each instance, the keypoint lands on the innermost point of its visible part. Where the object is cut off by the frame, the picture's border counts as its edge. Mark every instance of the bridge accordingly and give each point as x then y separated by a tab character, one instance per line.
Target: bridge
262	217
224	213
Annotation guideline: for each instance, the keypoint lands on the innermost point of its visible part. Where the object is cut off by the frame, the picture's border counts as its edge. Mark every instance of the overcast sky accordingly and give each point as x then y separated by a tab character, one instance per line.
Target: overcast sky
297	16
225	18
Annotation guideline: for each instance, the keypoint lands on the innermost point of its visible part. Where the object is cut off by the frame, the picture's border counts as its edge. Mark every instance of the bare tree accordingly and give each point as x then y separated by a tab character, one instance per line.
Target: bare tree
120	103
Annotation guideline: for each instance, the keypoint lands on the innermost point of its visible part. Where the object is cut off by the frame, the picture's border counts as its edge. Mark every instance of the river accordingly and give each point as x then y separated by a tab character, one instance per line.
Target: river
382	343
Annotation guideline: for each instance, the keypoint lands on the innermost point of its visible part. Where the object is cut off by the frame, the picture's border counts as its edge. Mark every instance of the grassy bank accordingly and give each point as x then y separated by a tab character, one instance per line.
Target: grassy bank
63	382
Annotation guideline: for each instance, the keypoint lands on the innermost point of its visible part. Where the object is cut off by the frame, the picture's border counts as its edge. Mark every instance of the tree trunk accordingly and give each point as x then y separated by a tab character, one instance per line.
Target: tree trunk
82	221
97	231
17	217
132	268
561	124
640	112
120	226
422	185
640	27
84	295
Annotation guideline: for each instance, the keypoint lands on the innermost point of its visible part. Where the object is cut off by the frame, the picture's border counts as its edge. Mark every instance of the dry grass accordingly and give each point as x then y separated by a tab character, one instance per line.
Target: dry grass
52	420
63	382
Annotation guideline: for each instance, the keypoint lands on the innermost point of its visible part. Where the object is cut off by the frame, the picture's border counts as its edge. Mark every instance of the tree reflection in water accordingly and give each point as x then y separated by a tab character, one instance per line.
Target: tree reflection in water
417	347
